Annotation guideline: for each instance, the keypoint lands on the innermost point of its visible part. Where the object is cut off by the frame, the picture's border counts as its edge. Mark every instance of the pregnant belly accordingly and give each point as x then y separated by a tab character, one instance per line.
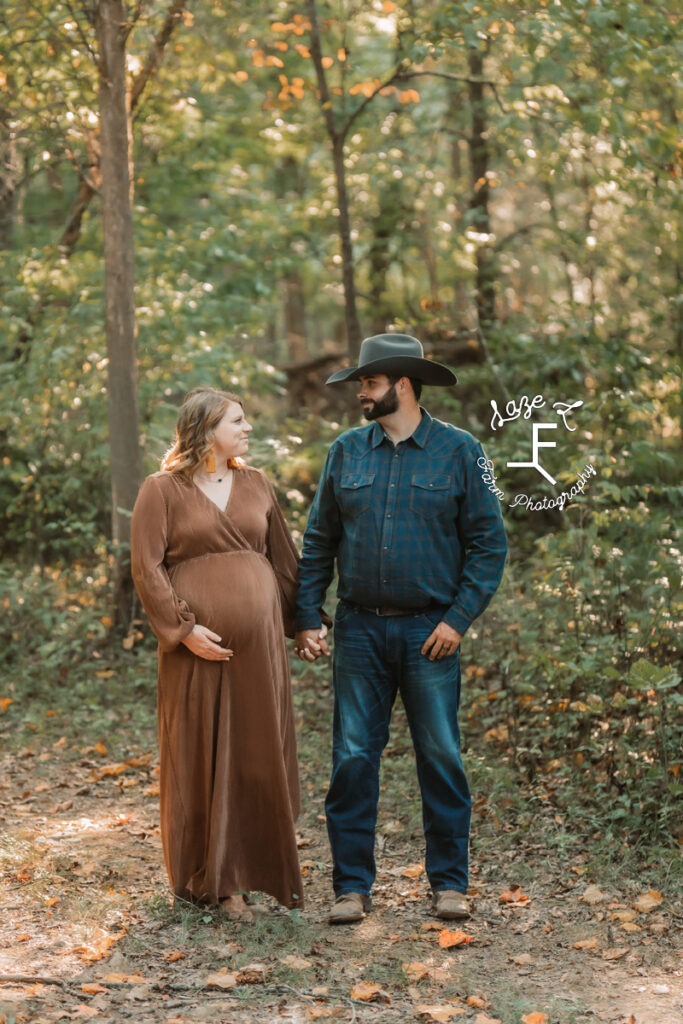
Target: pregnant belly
231	593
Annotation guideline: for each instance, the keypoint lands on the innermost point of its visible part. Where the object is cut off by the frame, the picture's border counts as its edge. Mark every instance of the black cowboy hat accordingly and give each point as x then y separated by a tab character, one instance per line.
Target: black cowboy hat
395	354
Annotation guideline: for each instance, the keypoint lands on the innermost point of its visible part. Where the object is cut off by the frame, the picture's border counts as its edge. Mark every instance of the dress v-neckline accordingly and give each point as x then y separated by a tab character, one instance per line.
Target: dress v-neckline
224	510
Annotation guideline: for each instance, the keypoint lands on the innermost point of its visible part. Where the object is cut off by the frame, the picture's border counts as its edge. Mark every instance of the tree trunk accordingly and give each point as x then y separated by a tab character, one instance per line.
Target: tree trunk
479	202
10	174
125	463
353	329
295	317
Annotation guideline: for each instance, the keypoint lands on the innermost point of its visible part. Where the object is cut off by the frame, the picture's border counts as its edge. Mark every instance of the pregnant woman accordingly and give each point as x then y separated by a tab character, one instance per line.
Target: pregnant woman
215	568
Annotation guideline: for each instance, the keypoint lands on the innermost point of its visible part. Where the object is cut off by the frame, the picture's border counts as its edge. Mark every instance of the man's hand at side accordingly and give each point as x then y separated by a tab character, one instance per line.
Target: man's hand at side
442	642
310	644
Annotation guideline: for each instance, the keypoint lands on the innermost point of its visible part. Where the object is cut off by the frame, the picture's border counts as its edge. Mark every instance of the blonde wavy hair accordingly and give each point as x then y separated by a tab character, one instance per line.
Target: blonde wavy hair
199	415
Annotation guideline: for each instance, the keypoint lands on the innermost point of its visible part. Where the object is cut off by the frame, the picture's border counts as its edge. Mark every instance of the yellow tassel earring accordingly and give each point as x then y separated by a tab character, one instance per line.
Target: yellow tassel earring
211	462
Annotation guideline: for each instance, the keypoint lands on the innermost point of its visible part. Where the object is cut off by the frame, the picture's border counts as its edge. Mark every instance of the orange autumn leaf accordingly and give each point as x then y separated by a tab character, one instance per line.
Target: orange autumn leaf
408	96
174	955
93	988
327	62
413	871
5	703
99	945
591	943
437	1013
535	1018
415	971
241	76
100	747
448	939
478	1002
513	896
368	992
302	50
647	901
274	62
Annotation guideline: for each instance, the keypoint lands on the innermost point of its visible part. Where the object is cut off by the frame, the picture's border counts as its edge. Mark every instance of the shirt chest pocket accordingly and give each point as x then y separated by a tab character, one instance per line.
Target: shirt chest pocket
355	492
430	494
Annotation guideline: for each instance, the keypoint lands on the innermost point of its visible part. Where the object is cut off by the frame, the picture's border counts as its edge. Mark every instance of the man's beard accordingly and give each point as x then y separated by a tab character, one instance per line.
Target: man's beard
387	404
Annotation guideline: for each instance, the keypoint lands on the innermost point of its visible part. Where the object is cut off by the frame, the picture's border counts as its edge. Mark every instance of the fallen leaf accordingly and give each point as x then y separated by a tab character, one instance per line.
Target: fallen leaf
415	971
316	1012
522	959
592	896
368	992
92	988
99	945
112	769
100	747
513	896
535	1018
413	871
222	979
66	805
174	955
5	703
431	926
448	939
478	1001
624	915
252	974
83	1010
617	953
53	901
483	1018
444	1013
591	943
647	901
630	926
297	963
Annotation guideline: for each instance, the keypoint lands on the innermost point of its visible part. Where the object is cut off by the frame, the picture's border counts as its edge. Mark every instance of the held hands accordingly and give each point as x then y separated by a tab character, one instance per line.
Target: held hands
310	644
205	644
443	641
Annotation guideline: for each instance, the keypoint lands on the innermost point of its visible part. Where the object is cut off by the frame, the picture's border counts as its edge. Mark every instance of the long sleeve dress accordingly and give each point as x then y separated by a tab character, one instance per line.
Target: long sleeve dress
229	789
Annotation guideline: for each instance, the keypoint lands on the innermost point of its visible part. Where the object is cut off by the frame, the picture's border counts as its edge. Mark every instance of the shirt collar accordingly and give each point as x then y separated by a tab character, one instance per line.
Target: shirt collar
419	435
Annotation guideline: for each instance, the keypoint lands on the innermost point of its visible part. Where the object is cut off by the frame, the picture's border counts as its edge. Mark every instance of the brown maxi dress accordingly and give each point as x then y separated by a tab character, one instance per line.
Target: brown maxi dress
229	781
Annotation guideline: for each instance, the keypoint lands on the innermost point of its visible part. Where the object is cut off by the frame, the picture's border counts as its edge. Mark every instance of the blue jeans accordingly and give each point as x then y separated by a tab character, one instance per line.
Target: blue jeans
374	658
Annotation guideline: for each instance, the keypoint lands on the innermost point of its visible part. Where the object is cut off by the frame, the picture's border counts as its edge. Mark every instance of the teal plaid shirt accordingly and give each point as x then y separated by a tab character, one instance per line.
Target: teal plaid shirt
411	525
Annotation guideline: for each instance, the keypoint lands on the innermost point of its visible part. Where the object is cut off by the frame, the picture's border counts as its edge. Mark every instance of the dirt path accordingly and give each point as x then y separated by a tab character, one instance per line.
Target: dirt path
89	928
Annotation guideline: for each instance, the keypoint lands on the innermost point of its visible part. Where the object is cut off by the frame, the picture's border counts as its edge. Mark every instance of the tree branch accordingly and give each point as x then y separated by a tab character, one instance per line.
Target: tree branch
156	51
317	57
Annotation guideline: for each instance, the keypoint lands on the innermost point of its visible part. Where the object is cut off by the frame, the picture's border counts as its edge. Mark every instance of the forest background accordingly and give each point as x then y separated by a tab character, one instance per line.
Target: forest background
229	194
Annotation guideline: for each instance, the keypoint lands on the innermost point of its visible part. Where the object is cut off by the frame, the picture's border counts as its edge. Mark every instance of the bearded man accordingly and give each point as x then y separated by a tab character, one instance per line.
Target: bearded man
420	548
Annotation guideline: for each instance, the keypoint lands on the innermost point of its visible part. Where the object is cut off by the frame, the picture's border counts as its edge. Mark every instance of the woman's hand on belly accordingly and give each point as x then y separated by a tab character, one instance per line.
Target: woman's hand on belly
205	644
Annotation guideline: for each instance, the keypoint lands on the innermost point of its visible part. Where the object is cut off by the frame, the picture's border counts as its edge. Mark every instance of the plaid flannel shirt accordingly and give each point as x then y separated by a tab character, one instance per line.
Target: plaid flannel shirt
411	525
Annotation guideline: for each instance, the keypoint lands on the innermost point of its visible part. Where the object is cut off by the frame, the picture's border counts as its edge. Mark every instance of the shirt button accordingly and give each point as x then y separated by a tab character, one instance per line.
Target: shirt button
389	516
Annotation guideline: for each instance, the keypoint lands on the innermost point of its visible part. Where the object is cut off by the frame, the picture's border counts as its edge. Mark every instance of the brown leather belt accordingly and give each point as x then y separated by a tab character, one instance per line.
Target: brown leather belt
386	611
